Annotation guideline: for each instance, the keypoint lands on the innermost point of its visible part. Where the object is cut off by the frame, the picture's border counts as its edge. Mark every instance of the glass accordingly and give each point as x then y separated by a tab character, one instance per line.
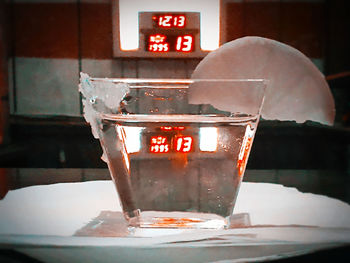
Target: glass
176	149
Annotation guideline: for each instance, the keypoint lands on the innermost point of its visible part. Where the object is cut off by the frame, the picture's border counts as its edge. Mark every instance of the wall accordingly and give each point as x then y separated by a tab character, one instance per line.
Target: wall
300	24
54	40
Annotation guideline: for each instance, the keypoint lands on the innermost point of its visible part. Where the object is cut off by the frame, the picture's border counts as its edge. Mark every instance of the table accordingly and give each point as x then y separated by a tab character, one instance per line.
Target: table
49	223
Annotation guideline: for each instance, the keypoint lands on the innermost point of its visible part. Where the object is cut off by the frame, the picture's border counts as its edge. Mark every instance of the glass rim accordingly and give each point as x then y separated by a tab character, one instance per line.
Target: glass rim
176	80
177	117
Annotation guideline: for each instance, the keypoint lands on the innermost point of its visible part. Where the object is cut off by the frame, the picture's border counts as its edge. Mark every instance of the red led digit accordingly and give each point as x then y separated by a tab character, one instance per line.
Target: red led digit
179	144
160	21
181	21
187	43
178	43
183	144
175	21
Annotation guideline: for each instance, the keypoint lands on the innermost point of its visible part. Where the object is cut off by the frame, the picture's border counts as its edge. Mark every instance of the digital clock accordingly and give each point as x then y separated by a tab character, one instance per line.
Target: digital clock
191	28
169	34
171	141
169	21
169	43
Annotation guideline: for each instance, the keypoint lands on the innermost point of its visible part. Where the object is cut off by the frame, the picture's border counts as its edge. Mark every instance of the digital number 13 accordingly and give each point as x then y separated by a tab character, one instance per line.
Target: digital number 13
184	43
184	144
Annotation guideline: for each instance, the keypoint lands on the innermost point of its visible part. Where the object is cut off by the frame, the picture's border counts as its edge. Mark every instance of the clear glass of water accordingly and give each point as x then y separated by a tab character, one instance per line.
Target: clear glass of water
176	149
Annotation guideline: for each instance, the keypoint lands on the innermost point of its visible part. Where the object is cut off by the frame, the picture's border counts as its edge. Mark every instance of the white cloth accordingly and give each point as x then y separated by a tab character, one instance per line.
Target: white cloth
62	209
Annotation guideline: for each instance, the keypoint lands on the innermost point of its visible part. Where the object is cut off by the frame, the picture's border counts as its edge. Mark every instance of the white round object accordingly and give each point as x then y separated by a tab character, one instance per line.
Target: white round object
296	91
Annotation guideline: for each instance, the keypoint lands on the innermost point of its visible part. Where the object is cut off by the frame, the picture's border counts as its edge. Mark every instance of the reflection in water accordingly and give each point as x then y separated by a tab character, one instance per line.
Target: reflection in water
133	139
208	139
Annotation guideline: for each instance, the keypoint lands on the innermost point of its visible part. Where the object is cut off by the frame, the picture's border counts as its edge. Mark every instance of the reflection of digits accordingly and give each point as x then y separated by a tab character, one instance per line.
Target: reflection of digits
184	144
159	145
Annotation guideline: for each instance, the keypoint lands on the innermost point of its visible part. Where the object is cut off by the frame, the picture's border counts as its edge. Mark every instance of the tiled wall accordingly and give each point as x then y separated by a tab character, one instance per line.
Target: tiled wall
53	40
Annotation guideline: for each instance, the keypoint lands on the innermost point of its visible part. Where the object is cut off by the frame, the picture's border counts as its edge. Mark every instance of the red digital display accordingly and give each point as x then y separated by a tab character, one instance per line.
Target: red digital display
184	43
165	43
169	21
159	144
183	144
172	140
158	43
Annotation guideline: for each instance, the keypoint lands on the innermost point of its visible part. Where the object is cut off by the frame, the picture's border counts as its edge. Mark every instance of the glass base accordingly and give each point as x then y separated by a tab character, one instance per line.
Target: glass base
113	224
178	220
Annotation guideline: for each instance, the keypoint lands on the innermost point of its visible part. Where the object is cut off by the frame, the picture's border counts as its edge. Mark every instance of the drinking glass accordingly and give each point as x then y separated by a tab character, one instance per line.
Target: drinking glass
176	149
